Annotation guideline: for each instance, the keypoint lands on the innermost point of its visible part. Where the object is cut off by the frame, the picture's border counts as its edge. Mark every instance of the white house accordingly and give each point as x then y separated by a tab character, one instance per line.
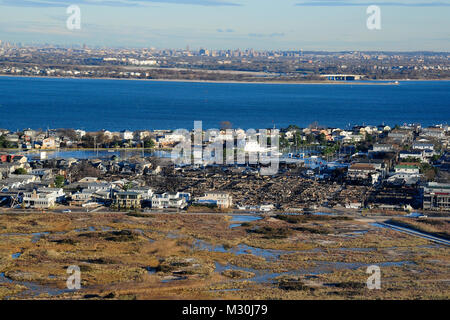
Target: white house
145	192
171	139
423	146
41	172
405	168
266	207
433	132
363	171
406	178
221	199
100	186
383	147
411	154
83	196
42	198
170	200
126	135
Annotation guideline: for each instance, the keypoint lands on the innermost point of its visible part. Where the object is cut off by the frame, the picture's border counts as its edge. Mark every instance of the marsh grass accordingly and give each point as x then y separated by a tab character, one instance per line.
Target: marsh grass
271	232
115	262
438	228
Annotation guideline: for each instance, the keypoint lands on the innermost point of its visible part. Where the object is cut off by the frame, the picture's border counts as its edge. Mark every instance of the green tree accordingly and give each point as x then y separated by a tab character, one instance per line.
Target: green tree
20	171
6	144
298	138
330	149
310	138
428	171
293	127
59	181
322	138
369	138
127	186
87	141
149	143
436	157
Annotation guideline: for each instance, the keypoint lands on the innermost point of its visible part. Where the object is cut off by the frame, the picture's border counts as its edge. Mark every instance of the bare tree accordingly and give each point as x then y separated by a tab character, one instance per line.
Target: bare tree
225	125
84	169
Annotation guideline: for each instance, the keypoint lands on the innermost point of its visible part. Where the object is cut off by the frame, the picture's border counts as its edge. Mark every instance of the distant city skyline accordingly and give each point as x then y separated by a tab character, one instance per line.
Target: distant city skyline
331	25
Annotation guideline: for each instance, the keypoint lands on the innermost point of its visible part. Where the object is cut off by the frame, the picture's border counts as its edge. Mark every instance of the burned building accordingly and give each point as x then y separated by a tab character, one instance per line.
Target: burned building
436	196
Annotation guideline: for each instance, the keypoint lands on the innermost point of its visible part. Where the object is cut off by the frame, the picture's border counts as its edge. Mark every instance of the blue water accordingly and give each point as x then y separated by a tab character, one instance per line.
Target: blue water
241	219
16	255
244	218
92	104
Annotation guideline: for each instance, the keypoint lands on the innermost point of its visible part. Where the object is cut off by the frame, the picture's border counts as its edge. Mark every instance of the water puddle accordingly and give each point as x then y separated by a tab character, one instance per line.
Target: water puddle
358	232
245	218
240	249
150	270
34	236
172	278
225	290
88	229
354	234
241	219
37	236
261	276
317	267
32	289
323	214
378	225
357	249
172	235
430	246
14	234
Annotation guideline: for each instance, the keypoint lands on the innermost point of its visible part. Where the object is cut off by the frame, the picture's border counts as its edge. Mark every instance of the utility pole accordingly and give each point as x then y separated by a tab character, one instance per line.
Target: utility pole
95	144
295	139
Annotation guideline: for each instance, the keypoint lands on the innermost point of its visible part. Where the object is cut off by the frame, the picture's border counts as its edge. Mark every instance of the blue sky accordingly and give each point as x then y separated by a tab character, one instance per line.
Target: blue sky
219	24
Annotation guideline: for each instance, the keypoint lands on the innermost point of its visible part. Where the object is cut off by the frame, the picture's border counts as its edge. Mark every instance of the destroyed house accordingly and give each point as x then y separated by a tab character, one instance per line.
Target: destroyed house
436	196
361	170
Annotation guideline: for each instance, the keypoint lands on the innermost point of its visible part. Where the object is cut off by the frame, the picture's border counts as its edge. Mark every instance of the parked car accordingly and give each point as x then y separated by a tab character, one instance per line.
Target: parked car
416	215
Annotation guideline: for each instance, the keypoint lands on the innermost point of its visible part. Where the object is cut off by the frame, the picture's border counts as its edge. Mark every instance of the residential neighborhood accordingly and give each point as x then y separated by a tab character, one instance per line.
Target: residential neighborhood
364	168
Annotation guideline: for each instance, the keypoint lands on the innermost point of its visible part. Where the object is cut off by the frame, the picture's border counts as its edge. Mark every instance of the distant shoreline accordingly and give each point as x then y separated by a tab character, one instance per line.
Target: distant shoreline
356	82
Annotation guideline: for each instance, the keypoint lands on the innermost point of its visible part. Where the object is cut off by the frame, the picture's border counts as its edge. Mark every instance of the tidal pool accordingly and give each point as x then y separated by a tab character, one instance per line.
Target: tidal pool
32	289
317	267
241	219
16	255
240	249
